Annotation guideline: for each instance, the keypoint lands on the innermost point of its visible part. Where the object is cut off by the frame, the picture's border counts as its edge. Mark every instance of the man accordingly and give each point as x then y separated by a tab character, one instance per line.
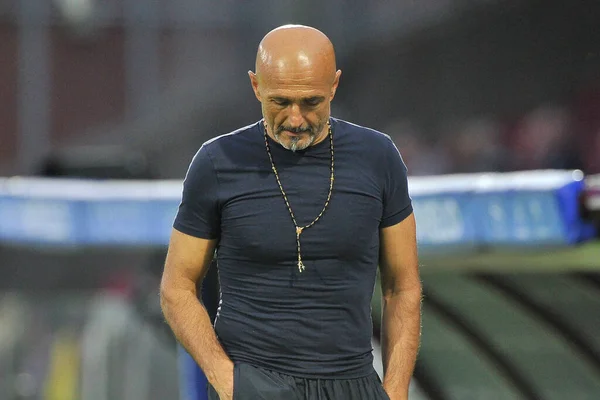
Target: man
301	208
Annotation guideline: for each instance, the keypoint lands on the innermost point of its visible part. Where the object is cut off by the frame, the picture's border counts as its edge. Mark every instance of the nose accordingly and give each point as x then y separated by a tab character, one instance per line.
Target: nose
295	117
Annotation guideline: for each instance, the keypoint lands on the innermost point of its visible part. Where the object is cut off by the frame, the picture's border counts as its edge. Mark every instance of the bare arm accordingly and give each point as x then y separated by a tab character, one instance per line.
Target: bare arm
401	320
188	260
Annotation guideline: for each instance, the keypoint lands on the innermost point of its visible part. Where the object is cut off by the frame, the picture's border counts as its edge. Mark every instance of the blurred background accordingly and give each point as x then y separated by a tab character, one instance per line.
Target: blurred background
130	89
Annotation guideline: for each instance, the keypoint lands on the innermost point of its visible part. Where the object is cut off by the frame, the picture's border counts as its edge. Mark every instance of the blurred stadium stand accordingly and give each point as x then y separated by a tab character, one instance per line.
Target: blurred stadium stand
160	79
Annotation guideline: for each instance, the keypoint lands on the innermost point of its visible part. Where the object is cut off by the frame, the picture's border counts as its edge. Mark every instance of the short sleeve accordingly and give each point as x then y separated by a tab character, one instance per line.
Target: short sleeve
397	204
199	212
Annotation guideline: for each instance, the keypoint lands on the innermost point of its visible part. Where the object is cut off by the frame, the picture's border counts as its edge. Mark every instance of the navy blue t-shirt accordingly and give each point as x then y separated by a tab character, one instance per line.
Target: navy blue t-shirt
315	323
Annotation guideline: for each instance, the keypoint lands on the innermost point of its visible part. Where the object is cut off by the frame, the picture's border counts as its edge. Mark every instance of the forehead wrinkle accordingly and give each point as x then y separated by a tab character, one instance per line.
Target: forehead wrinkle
293	88
295	92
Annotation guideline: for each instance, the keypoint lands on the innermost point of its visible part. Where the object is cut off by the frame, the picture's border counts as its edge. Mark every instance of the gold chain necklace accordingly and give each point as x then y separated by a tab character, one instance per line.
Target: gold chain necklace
300	229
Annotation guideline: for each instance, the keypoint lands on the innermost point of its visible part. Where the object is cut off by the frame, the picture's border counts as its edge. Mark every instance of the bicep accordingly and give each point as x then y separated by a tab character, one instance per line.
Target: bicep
188	260
398	262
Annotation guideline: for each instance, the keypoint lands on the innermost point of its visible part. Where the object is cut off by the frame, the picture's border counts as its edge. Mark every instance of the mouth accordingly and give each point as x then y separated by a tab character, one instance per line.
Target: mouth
294	134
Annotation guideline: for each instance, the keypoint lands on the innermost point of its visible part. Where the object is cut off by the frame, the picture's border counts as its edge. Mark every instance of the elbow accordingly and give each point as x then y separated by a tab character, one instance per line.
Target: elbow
172	296
414	291
164	299
167	298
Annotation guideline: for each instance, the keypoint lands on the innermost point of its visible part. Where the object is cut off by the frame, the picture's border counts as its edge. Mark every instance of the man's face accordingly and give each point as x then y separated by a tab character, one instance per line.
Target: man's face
295	104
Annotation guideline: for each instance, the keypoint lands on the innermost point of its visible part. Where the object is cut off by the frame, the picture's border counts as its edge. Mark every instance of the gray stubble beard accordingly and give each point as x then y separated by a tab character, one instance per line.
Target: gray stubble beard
293	145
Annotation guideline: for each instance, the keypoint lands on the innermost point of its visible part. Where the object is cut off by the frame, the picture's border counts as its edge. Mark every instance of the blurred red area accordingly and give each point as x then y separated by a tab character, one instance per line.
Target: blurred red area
88	82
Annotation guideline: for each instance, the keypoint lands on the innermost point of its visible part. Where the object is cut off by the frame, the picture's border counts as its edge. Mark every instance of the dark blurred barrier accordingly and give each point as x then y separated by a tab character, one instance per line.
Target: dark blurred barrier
97	162
591	200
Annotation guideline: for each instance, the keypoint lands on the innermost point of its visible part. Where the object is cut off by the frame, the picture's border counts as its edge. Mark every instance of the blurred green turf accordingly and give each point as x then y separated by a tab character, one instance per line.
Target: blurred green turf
584	257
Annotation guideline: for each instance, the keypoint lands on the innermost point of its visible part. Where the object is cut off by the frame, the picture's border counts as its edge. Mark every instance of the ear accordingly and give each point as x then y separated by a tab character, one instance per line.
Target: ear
254	83
336	82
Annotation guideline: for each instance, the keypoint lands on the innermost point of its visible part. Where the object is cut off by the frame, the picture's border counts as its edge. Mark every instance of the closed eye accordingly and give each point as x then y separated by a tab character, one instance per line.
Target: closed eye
313	101
280	101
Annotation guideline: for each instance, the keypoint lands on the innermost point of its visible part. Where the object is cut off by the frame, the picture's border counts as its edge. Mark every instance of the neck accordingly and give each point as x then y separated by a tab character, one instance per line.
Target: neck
322	135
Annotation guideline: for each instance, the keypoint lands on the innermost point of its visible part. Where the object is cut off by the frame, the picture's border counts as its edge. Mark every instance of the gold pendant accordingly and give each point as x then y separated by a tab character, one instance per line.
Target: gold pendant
300	263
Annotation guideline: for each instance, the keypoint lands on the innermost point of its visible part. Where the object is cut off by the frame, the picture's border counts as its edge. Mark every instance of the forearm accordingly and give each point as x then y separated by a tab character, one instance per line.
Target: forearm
191	325
400	337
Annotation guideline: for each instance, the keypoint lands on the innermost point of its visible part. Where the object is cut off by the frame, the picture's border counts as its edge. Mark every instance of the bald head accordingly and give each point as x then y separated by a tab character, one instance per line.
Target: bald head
295	81
296	48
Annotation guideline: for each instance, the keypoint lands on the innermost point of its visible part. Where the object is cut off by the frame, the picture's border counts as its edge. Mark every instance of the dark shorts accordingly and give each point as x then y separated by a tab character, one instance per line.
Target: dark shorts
254	383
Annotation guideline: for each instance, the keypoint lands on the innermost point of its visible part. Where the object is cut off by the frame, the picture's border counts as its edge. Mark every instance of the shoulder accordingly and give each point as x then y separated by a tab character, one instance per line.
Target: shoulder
234	145
233	139
213	152
372	147
364	137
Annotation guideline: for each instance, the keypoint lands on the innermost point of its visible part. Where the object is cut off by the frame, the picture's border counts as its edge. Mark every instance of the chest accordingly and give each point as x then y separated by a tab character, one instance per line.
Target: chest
256	222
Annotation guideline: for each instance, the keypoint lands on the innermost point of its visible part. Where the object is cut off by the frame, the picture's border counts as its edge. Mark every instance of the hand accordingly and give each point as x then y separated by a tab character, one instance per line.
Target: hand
224	383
